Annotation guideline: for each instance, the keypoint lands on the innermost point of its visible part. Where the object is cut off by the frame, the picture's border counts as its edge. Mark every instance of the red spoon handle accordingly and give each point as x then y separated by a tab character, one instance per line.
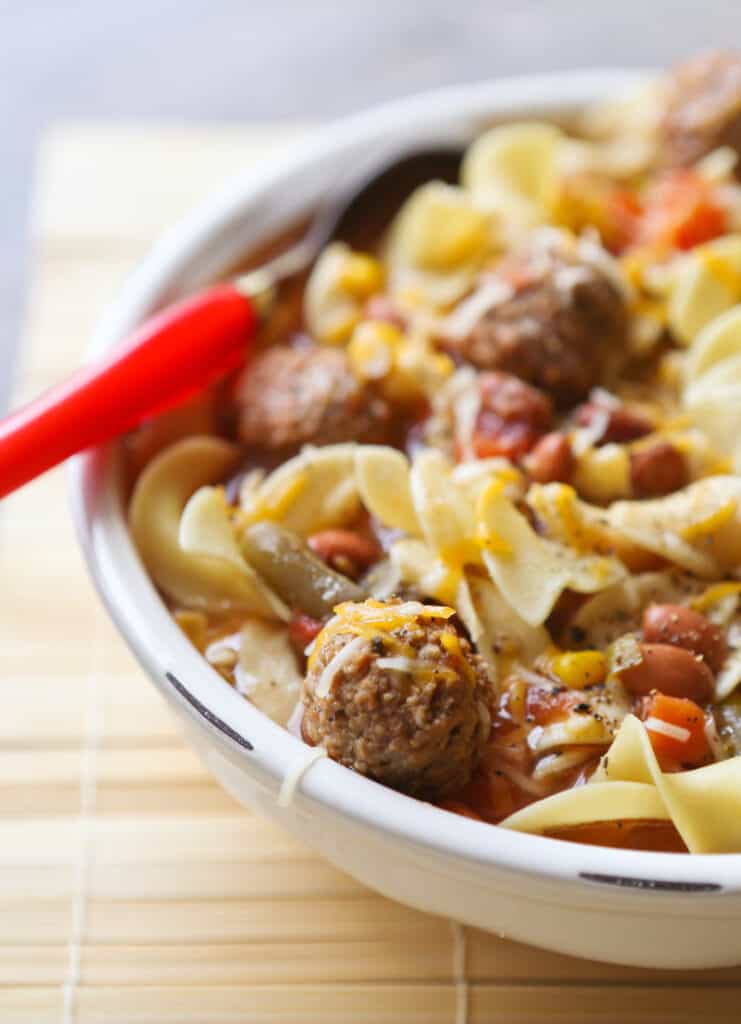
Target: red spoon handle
169	357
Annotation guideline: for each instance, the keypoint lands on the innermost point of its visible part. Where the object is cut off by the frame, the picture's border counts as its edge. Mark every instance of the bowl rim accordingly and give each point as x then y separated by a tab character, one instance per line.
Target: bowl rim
266	749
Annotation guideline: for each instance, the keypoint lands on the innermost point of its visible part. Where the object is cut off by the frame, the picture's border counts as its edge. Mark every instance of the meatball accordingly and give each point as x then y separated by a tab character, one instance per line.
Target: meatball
564	320
703	108
395	693
294	396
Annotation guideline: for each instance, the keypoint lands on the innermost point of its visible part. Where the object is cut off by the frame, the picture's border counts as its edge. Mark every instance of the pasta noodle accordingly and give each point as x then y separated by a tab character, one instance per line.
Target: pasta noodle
268	670
703	805
382	475
437	244
315	490
532	572
195	579
707	284
511	170
333	300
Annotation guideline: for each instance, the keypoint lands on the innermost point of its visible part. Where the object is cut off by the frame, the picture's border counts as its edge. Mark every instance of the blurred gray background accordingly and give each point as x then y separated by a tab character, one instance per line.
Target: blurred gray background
226	60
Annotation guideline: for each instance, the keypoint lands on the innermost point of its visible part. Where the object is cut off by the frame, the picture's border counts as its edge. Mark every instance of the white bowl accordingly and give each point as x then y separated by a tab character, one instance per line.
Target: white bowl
628	907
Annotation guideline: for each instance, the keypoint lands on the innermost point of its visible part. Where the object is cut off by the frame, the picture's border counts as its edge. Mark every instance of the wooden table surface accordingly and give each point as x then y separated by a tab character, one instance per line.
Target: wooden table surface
132	889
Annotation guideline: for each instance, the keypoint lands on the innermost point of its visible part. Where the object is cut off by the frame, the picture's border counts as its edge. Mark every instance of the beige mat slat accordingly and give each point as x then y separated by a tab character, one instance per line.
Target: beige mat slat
193	910
375	1004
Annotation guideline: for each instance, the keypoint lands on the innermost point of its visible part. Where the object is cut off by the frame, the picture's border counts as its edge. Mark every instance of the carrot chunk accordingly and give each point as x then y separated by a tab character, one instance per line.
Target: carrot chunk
676	727
682	211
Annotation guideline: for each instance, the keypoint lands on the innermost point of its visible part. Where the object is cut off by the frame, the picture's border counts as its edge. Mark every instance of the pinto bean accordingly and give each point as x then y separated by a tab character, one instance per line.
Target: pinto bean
551	459
682	627
345	550
671	670
660	469
621	423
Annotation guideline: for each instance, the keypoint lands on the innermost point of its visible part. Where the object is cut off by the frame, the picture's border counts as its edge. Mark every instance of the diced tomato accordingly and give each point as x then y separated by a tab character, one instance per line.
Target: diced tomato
680	713
493	437
704	223
546	704
302	630
513	415
681	211
458	807
489	795
623	214
627	835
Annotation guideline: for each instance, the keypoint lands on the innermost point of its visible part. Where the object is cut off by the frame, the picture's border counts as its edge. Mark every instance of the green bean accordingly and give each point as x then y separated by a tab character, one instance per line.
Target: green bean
294	572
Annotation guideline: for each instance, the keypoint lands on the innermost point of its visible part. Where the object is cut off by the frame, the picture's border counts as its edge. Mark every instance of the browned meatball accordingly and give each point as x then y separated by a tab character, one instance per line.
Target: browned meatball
294	396
403	702
563	322
703	108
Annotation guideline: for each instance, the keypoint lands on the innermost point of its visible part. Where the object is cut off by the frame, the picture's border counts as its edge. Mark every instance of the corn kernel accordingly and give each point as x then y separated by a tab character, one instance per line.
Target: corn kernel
487	537
723	270
579	669
372	349
603	474
361	275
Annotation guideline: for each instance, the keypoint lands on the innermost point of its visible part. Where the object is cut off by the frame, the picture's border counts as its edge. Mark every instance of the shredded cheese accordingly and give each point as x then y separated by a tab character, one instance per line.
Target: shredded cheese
718	592
556	763
574	531
390	616
673	732
492	293
275	509
294	775
712	522
398	664
330	670
486	536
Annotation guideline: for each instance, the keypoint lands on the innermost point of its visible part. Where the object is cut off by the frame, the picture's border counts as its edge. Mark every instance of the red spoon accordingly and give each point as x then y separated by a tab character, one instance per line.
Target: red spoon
165	360
179	351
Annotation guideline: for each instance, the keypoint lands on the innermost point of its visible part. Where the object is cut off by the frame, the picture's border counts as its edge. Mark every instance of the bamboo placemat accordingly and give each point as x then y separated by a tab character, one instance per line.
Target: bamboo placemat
132	889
